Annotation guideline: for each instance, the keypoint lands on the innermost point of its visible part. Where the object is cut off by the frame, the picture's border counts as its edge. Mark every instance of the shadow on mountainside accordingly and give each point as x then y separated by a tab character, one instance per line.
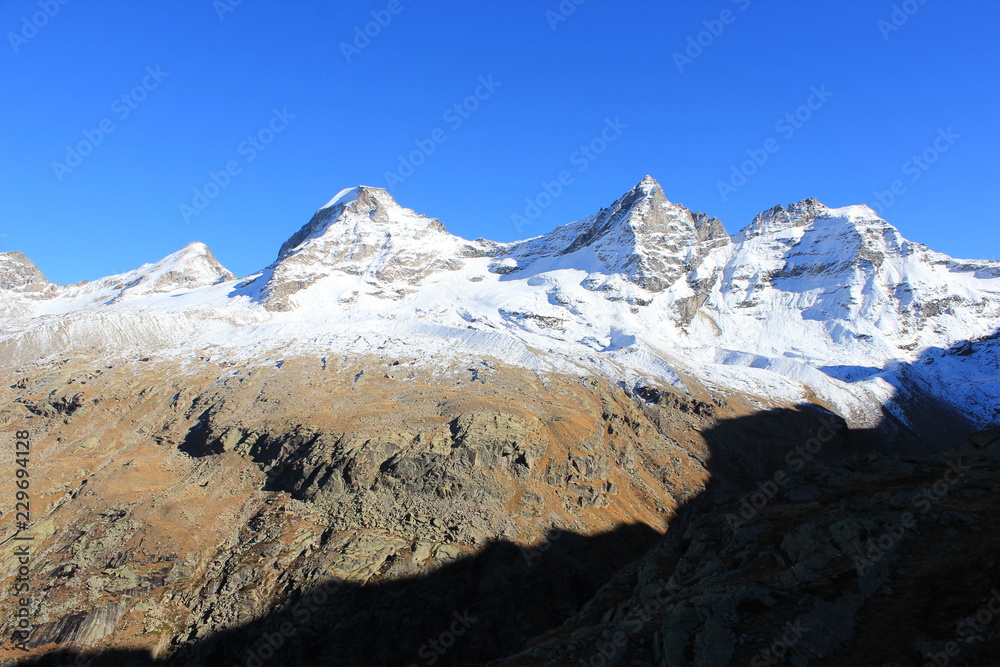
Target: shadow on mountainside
793	554
466	612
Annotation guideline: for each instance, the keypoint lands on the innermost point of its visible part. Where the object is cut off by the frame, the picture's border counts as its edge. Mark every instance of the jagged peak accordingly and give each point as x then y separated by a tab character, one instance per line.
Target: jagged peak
710	228
648	184
641	236
779	218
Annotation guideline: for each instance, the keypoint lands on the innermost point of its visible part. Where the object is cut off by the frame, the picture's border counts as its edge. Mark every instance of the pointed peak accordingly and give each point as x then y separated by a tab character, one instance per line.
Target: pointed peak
367	193
359	216
647	186
196	251
645	194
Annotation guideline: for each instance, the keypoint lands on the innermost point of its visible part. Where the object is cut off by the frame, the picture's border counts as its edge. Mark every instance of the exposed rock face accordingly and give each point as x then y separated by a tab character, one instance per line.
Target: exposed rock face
710	230
642	236
17	272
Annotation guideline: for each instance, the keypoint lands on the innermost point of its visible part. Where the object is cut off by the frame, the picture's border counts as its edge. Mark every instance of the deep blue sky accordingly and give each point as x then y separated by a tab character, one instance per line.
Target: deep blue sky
121	206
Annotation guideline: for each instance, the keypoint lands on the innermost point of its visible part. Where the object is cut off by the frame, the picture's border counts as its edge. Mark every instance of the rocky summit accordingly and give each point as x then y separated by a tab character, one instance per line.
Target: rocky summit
634	440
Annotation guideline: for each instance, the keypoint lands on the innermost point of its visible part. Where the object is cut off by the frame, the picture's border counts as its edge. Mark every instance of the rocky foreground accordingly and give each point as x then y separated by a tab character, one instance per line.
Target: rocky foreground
363	511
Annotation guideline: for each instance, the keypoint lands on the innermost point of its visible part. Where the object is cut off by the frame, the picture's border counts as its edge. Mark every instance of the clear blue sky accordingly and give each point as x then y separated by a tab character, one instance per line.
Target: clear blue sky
120	206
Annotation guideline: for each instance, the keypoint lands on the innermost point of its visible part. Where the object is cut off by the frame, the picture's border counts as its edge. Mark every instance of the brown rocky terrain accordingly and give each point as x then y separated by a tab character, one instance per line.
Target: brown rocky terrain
169	503
367	511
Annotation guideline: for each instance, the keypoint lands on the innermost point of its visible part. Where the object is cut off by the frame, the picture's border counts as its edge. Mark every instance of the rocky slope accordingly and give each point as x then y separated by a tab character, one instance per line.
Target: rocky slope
181	518
876	560
169	504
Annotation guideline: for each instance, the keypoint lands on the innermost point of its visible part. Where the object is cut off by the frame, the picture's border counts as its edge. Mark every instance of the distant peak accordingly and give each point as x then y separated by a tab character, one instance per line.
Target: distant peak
17	272
194	263
361	216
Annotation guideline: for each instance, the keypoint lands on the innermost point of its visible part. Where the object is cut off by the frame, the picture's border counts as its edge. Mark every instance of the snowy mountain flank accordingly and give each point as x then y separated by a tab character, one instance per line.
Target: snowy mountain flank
806	303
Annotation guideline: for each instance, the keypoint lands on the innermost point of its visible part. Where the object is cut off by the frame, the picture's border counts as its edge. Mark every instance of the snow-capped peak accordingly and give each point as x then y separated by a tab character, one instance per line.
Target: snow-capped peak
345	196
191	267
363	232
642	236
779	218
648	182
352	217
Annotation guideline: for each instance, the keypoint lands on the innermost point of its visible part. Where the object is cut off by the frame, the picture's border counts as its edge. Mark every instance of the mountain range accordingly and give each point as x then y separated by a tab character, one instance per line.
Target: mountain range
806	302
